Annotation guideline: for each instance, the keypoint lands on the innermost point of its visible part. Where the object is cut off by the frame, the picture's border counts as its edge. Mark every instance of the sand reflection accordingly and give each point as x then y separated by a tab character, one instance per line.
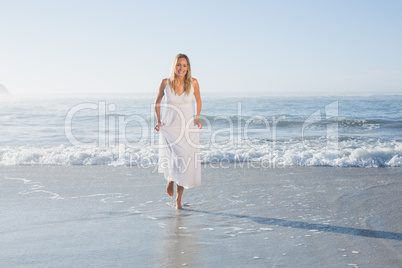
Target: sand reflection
180	242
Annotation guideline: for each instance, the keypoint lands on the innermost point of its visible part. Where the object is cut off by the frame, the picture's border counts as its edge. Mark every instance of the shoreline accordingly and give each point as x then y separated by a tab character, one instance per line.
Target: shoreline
120	216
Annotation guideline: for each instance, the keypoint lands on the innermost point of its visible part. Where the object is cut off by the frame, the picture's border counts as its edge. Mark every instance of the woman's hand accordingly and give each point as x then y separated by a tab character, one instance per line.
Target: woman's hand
158	126
198	123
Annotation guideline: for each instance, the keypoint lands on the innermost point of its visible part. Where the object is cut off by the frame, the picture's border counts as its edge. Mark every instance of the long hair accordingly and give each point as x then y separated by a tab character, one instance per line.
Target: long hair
187	78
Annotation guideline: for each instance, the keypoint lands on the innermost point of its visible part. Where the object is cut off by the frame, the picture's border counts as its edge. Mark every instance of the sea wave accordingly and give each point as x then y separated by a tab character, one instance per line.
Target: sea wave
293	152
292	121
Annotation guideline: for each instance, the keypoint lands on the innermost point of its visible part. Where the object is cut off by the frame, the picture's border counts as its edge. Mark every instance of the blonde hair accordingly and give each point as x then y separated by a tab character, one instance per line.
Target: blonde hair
187	79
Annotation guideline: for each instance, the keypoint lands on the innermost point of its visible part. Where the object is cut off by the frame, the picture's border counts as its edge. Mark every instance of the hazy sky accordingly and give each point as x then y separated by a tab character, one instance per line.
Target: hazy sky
270	47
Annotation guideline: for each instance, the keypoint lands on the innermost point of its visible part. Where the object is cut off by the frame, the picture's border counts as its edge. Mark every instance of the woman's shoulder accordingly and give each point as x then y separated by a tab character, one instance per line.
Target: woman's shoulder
195	81
165	82
163	85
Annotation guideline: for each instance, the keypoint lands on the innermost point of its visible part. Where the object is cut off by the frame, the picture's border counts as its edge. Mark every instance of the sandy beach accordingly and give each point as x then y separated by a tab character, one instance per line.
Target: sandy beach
104	216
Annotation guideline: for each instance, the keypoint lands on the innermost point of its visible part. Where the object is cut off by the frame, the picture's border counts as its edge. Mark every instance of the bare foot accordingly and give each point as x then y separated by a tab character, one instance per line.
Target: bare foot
178	205
180	190
170	188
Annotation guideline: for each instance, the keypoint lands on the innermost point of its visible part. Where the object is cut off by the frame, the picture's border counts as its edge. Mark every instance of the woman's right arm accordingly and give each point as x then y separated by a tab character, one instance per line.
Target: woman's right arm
158	101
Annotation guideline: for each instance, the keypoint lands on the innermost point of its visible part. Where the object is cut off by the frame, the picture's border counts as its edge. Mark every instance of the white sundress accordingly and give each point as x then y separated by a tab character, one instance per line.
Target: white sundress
179	153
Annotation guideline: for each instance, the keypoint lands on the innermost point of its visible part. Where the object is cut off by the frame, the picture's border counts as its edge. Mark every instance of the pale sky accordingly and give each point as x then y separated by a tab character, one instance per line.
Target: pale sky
265	47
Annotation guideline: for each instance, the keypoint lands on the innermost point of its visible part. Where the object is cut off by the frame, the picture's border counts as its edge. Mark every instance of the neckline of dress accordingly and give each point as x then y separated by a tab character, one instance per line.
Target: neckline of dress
174	91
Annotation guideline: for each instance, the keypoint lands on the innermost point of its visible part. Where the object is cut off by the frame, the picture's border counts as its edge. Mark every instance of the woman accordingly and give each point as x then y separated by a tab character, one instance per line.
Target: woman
178	129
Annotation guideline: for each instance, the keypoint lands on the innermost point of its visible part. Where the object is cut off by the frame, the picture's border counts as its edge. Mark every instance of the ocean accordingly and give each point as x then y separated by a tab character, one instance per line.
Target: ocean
275	131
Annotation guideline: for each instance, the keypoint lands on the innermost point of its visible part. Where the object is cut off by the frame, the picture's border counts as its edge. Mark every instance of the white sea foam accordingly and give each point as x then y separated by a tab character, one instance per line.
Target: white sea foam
348	153
35	187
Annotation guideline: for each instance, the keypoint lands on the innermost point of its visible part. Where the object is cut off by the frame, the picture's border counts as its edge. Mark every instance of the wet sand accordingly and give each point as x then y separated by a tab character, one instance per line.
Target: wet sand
105	216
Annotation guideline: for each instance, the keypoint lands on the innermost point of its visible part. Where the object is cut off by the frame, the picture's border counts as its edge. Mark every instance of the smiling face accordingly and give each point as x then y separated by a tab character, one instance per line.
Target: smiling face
181	67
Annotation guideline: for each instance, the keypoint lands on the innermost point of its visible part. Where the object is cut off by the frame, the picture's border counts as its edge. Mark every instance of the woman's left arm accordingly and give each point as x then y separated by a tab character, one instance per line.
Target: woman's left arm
198	102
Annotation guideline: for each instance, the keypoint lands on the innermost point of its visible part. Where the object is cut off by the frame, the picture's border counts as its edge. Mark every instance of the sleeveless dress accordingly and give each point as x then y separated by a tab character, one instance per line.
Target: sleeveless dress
179	153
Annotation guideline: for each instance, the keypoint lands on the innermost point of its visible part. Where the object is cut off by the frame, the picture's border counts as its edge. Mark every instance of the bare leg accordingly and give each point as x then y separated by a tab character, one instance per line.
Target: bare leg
170	188
180	190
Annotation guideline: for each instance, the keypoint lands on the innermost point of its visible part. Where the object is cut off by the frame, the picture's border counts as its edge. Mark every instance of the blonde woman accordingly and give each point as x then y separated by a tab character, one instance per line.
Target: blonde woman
178	129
